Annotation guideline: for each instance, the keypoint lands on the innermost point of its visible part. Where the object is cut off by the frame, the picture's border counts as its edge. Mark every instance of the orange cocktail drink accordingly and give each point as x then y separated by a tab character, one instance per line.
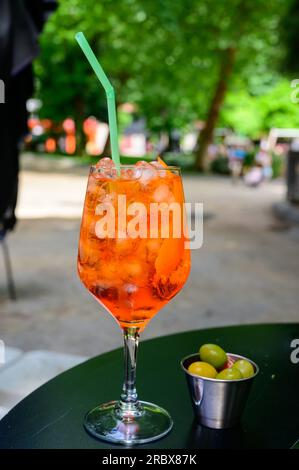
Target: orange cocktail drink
139	266
133	257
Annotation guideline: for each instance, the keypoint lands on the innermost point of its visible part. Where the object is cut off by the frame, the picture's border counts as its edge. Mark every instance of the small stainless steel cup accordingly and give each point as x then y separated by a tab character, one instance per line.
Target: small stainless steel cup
217	403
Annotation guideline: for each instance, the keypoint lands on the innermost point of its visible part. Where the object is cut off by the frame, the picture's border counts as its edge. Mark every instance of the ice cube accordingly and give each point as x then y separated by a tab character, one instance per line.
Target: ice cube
130	174
124	245
148	172
107	198
107	167
104	292
163	194
132	269
153	245
160	169
105	162
156	164
129	289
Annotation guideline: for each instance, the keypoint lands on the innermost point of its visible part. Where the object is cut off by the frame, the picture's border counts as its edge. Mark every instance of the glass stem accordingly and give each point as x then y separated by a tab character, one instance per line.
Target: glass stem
128	406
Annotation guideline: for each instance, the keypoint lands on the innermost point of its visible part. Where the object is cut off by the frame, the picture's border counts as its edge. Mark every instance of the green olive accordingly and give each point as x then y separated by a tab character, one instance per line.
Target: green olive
229	374
213	354
202	369
245	367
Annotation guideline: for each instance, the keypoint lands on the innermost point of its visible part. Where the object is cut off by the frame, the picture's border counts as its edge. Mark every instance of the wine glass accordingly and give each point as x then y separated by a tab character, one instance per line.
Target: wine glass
133	267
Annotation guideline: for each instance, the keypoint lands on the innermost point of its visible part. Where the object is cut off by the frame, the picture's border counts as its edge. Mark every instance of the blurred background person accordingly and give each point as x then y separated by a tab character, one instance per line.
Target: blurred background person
236	157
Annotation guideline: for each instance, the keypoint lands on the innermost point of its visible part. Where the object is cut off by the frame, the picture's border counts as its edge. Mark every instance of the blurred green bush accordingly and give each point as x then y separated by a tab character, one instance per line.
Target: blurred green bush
220	166
278	163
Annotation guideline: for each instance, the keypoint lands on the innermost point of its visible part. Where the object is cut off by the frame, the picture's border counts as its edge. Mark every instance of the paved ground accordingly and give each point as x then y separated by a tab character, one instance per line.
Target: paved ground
247	270
24	372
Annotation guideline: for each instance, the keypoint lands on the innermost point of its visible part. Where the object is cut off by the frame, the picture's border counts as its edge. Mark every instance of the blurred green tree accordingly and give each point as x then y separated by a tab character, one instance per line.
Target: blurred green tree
252	115
290	37
141	45
245	45
175	60
65	82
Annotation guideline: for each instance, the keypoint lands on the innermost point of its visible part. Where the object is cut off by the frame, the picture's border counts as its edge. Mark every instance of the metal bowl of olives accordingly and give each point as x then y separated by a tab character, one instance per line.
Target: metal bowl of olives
219	385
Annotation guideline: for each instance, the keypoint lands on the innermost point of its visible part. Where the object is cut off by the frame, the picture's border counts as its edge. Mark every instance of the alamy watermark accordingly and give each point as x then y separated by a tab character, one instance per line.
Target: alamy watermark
2	352
295	93
2	92
295	353
154	220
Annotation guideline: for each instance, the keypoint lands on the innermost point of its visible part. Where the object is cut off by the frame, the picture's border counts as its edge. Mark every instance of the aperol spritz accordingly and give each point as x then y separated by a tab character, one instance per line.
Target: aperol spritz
133	257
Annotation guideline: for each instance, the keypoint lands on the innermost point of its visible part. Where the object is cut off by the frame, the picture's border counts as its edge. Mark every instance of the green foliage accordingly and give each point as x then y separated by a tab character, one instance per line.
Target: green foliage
183	160
253	115
278	162
242	113
277	107
164	56
124	120
290	37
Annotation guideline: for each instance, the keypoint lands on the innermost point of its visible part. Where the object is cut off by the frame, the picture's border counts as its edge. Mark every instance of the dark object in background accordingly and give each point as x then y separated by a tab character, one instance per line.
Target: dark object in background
220	166
293	177
20	23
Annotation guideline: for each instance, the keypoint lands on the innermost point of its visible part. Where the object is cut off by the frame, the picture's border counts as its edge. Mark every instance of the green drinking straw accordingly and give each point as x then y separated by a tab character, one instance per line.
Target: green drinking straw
110	95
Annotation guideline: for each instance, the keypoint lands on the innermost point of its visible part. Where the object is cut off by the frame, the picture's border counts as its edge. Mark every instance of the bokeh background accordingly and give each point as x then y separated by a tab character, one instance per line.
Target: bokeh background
209	85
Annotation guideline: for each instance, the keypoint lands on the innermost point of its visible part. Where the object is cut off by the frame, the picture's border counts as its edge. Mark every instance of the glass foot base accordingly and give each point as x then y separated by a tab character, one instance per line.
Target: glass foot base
105	423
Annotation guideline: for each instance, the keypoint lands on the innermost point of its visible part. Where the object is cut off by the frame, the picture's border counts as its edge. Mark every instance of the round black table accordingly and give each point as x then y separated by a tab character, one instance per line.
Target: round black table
52	416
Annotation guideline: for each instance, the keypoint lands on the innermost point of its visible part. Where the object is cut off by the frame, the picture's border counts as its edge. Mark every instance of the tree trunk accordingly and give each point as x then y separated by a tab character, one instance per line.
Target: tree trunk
206	135
107	148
